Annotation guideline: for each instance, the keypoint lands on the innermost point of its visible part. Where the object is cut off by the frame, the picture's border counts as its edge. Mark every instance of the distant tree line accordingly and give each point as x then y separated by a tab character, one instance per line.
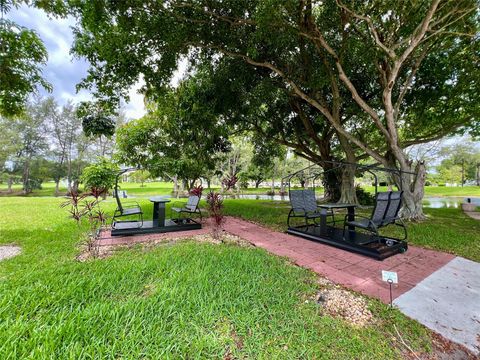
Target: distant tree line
48	142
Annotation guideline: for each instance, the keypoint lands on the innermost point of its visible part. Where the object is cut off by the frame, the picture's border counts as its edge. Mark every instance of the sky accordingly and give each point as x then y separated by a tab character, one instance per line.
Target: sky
64	71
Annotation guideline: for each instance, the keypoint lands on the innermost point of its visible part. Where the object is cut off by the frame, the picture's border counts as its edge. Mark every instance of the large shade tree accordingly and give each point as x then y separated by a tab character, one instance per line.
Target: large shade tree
167	143
409	68
22	55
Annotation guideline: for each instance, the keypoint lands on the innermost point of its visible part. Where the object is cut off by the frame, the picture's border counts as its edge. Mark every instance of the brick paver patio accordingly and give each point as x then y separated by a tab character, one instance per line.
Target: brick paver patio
353	271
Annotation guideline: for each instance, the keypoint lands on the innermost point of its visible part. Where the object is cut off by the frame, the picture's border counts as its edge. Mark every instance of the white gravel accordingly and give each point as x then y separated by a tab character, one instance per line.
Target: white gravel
8	251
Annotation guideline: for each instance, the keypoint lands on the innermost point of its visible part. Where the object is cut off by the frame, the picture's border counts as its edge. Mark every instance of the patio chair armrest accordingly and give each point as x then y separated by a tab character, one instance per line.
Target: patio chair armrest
130	204
357	216
399	219
322	208
370	222
178	204
295	209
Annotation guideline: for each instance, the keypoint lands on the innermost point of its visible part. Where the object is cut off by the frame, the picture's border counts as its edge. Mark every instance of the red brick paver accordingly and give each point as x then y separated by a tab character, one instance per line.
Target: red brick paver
351	270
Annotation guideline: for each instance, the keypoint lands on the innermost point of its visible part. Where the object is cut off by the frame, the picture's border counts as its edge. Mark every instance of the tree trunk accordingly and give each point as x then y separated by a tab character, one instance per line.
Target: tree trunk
273	186
9	184
191	184
258	182
478	174
26	176
74	186
57	187
331	182
347	187
413	187
208	183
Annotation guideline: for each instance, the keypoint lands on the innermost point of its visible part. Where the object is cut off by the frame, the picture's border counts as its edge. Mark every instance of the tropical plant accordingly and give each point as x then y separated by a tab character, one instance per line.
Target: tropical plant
100	176
73	203
196	190
229	182
215	210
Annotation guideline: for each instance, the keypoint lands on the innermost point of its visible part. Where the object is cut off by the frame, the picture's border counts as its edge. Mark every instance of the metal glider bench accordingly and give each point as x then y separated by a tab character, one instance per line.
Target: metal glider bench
385	212
126	210
191	207
304	205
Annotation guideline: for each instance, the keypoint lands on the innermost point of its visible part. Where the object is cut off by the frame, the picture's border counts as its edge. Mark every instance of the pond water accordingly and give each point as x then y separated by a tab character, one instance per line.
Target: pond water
429	201
443	202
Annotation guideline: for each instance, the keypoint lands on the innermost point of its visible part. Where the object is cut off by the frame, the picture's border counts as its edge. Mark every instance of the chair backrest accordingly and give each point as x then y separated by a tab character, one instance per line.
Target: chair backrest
303	199
192	202
310	200
387	206
296	199
394	206
381	207
117	196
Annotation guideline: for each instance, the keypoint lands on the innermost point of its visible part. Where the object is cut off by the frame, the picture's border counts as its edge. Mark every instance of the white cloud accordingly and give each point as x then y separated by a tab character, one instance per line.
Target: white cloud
135	108
180	73
64	71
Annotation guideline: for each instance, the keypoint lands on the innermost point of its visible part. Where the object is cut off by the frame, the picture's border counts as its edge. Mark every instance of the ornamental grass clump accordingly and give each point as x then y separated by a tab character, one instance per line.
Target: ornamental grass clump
83	205
215	210
73	203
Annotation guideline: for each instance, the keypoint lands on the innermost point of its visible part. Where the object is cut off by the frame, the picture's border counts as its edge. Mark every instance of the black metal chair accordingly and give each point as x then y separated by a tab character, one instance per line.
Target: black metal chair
385	212
130	209
191	207
304	205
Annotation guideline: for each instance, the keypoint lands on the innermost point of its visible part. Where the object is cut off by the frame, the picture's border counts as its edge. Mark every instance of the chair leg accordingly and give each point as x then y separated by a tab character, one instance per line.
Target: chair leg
288	218
112	225
402	225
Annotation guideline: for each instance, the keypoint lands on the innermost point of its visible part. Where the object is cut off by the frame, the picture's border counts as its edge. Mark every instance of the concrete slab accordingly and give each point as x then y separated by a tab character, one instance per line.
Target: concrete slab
448	302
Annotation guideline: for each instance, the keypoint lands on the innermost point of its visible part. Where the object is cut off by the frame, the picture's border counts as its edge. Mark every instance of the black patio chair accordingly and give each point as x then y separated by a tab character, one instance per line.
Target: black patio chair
385	212
304	205
191	207
130	209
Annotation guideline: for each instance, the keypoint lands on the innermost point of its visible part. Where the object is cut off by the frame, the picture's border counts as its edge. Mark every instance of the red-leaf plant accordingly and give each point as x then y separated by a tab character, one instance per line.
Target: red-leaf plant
230	182
196	191
80	206
215	209
96	216
73	202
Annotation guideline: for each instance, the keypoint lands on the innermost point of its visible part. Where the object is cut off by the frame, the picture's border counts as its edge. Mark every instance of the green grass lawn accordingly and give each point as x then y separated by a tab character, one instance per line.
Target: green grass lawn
165	188
48	189
187	300
440	190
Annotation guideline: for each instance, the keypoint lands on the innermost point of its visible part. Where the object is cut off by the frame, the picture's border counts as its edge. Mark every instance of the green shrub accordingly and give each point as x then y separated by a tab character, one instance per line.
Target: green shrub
100	175
364	197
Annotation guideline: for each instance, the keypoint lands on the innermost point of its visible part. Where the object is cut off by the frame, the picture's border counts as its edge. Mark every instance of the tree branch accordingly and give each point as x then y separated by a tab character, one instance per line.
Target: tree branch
391	54
408	81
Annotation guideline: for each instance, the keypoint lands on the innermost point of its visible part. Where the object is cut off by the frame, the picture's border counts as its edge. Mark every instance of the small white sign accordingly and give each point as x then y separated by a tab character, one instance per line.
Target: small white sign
390	276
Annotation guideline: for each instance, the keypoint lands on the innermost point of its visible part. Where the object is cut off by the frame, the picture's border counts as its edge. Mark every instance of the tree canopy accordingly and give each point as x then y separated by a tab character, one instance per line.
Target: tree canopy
22	56
380	76
167	142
